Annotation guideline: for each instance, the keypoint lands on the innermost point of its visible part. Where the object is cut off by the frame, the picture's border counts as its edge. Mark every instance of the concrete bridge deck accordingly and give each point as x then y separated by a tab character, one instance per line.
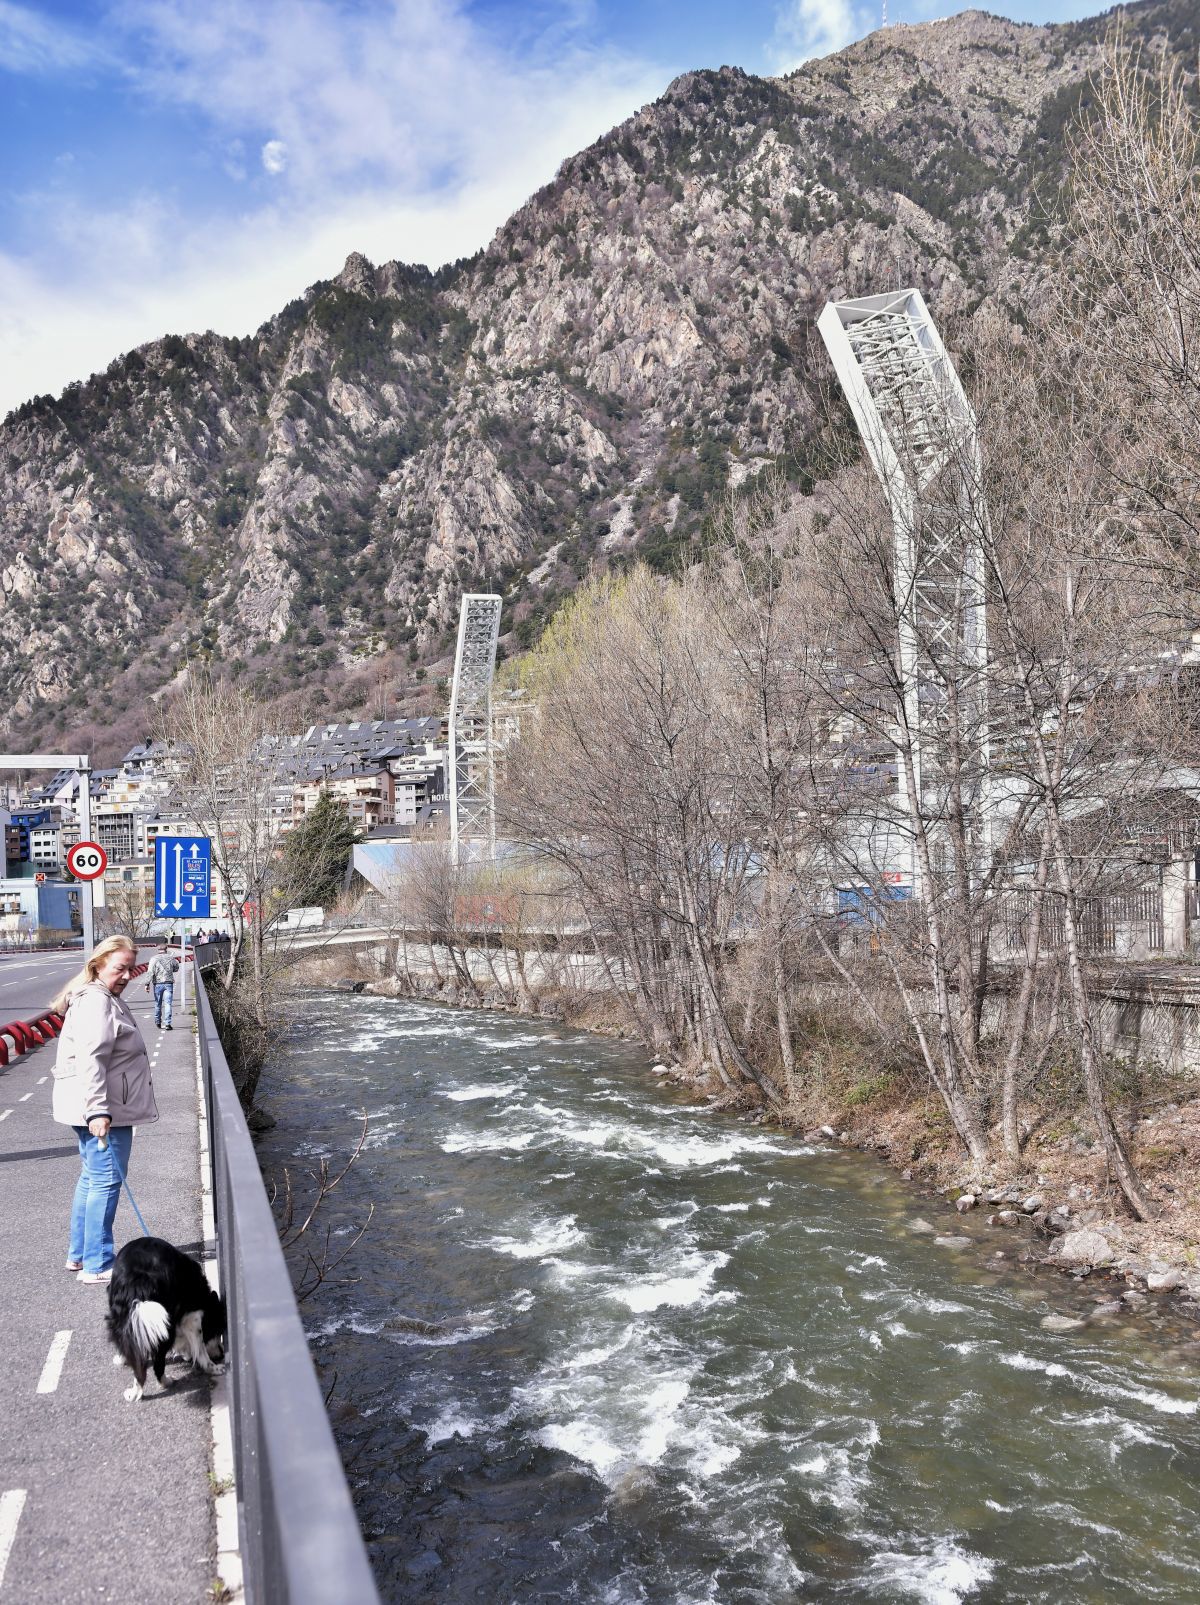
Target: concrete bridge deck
99	1500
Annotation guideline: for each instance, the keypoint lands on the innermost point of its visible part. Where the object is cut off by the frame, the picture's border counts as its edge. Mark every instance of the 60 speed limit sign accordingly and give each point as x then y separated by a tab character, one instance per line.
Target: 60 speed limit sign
87	861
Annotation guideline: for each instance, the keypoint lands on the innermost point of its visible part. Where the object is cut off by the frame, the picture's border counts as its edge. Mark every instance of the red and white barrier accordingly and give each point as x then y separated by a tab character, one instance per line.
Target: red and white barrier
38	1029
26	1034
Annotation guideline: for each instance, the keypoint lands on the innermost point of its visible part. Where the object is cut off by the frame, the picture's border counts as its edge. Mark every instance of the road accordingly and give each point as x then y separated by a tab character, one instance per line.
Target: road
28	981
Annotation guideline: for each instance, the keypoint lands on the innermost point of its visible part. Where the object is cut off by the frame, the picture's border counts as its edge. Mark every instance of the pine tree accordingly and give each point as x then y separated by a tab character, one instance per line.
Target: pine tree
316	854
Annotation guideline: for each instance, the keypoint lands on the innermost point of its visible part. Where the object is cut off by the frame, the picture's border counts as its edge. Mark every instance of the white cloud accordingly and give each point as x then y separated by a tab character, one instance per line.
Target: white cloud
401	129
31	43
808	28
275	156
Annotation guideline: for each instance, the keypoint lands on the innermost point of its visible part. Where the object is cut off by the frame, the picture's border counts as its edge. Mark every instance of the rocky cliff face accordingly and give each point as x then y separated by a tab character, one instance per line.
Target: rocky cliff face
297	504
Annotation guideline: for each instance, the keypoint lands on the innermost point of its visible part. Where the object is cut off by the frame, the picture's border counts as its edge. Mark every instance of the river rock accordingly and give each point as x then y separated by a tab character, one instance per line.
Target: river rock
1164	1281
660	1070
919	1225
827	1132
953	1242
964	1202
1033	1203
1133	1300
1006	1217
1062	1323
1086	1248
1109	1306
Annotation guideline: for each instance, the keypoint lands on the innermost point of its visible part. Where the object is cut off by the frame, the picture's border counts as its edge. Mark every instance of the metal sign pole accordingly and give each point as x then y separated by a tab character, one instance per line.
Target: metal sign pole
86	905
183	968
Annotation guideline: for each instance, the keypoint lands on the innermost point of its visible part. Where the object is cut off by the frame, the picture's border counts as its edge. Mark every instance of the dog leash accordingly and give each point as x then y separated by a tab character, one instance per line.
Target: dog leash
112	1152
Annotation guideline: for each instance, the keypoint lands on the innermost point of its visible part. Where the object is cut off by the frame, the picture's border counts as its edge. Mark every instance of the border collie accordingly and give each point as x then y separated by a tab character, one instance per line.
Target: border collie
159	1299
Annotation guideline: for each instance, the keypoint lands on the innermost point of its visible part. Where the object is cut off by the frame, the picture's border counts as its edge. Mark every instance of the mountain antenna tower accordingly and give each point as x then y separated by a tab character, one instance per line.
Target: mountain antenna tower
470	758
922	440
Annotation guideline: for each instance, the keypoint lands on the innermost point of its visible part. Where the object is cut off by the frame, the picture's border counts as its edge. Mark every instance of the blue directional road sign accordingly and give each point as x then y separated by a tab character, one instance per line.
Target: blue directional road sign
182	871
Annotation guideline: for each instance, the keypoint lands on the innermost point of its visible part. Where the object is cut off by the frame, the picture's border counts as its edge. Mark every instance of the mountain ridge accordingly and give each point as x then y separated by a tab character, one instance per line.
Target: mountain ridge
303	505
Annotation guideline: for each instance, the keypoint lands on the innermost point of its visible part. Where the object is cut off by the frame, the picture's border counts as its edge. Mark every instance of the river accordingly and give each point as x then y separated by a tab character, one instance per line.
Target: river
599	1344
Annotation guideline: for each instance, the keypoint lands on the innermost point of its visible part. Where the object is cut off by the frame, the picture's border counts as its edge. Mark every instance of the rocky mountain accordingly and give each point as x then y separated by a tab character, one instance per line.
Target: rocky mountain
305	505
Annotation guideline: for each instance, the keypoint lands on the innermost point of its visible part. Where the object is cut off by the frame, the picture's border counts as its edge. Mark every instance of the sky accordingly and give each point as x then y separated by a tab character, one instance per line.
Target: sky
180	165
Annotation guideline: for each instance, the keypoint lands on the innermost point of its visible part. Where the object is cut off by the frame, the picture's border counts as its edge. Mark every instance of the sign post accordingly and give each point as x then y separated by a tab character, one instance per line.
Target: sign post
86	902
87	861
182	878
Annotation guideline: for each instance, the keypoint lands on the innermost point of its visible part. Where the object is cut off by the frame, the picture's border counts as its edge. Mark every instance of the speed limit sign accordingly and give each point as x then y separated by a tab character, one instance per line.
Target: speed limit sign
87	861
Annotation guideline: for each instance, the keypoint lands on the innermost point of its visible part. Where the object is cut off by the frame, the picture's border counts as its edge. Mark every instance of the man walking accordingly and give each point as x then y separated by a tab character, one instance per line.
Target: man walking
161	977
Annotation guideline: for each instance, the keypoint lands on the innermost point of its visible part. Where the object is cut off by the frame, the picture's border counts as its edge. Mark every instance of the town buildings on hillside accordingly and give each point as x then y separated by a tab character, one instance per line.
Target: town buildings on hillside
387	774
390	775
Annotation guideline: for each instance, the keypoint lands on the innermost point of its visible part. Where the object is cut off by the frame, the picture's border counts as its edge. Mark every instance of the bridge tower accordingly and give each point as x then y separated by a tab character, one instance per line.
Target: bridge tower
470	755
921	438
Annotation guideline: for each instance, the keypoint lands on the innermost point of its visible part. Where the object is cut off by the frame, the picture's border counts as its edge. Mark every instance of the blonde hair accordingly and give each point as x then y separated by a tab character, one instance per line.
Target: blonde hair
91	968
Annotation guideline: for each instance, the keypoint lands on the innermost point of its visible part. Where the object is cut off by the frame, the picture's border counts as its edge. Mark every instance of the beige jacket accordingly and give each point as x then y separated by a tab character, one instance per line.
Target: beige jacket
102	1068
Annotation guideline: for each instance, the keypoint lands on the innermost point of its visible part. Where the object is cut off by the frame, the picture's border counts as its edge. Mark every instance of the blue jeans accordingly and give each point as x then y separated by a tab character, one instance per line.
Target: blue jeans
164	1001
96	1194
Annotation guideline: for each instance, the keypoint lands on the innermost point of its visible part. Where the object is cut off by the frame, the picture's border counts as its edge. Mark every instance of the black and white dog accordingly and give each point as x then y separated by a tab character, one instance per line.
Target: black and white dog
158	1300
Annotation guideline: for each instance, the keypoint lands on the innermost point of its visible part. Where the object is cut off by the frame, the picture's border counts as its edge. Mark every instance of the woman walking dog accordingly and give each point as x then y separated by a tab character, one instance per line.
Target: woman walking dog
102	1089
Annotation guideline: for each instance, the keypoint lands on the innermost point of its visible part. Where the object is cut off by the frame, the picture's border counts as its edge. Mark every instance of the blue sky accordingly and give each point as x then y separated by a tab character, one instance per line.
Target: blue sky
171	165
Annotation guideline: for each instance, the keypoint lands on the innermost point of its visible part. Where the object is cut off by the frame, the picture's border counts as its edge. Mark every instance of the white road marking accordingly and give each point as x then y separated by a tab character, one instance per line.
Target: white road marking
6	1114
25	1097
12	1503
52	1369
42	1080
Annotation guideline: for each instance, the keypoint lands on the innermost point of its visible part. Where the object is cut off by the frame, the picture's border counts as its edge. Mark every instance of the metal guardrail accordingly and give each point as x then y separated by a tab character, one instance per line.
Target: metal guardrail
300	1539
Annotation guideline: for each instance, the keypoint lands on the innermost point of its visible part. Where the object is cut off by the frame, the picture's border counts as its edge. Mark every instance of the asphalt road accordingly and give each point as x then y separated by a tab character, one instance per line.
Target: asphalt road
29	981
116	1497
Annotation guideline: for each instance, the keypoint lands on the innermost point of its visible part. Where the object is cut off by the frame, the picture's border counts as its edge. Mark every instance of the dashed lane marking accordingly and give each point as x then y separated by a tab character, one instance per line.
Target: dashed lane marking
52	1369
25	1097
6	1114
42	1080
12	1503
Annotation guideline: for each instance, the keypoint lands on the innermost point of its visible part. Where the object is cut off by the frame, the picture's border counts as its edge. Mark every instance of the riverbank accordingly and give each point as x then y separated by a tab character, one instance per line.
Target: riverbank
1058	1208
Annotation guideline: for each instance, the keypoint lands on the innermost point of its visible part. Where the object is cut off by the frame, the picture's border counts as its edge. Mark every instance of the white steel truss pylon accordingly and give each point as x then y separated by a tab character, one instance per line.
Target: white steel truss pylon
470	755
921	437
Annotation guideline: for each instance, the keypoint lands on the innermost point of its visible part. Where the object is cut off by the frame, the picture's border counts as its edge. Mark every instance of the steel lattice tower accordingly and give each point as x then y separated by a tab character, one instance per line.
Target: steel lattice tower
921	437
470	744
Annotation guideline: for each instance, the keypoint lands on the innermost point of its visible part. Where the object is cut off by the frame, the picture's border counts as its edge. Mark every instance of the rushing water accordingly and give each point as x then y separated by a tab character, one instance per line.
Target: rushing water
599	1344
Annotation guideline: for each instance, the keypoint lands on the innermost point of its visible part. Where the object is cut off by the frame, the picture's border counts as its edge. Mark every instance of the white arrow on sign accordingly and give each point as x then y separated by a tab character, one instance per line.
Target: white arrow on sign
162	874
178	903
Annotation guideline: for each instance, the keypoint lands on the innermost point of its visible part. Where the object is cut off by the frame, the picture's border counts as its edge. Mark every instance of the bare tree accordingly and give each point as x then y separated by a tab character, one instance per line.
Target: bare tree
223	740
773	648
1126	326
128	910
631	780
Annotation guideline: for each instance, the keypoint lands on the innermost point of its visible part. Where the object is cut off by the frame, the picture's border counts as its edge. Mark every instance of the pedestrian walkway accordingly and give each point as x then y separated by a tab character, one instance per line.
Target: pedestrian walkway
100	1500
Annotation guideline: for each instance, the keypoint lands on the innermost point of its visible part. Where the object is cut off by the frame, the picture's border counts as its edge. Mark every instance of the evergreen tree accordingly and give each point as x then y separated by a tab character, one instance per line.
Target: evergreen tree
316	854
